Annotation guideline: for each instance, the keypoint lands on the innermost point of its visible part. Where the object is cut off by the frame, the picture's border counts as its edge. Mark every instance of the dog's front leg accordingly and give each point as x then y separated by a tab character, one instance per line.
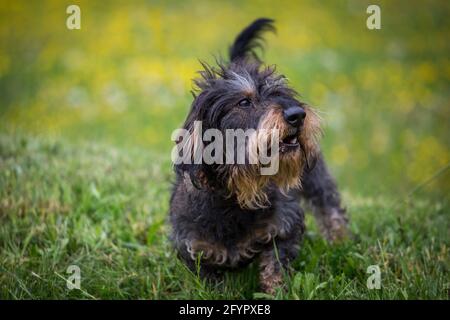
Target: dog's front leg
274	261
321	192
270	275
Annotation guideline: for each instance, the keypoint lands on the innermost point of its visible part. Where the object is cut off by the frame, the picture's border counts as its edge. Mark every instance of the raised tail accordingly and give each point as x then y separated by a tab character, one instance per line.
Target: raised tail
250	38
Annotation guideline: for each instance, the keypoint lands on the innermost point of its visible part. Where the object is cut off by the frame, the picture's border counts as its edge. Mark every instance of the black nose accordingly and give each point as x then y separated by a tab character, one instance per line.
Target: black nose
294	115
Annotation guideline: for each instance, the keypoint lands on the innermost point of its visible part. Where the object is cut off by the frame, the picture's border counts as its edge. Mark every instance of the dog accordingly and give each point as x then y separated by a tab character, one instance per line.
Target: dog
226	215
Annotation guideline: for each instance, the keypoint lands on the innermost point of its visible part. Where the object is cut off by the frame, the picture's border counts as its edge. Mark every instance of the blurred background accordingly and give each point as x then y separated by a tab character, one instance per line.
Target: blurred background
124	79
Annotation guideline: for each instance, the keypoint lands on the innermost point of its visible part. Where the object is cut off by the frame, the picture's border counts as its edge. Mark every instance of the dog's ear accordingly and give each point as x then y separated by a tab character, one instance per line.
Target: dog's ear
191	145
309	138
310	160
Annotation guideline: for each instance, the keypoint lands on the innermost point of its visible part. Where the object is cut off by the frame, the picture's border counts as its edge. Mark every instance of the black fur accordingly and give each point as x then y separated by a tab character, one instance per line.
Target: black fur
209	222
250	39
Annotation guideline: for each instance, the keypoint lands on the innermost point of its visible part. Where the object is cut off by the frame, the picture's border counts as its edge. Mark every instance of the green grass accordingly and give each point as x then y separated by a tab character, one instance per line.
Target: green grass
86	118
104	209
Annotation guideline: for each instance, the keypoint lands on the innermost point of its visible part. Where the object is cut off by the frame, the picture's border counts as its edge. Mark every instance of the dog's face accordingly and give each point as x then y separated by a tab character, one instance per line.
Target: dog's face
244	95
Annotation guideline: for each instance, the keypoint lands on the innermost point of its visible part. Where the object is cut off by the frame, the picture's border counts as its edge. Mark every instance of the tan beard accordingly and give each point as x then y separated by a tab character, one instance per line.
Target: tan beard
246	181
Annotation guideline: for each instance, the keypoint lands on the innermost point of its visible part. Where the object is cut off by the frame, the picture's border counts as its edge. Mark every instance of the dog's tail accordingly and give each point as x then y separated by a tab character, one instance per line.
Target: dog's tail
250	38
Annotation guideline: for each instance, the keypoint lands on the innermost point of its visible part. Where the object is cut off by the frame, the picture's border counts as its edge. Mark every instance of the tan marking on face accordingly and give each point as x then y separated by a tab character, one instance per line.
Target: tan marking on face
310	134
247	182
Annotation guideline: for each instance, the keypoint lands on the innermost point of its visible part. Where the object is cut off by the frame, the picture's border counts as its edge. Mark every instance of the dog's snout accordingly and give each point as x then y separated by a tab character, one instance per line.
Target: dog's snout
294	115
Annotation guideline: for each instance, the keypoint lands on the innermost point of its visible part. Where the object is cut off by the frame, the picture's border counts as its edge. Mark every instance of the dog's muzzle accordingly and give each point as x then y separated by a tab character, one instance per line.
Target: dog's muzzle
295	117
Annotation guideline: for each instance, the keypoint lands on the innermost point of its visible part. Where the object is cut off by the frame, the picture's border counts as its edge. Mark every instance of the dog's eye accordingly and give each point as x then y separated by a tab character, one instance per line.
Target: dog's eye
245	103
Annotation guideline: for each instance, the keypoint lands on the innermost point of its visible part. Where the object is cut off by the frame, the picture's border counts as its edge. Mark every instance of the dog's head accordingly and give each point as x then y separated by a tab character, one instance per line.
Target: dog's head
243	95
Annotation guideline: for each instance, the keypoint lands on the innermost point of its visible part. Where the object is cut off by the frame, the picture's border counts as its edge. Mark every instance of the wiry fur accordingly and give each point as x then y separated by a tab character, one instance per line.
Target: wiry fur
229	214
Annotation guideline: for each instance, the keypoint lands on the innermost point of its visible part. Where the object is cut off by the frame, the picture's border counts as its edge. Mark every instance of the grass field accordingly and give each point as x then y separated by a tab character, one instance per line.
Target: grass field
85	124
